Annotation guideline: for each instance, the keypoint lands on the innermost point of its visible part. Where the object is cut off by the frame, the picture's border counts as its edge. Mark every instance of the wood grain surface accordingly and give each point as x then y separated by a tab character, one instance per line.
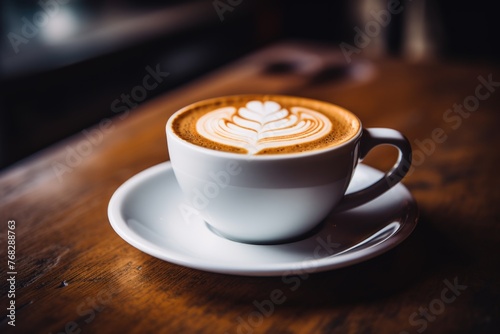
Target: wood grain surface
76	275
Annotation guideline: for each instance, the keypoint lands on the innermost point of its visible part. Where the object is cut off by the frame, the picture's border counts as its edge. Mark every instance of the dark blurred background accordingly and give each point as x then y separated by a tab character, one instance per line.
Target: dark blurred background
64	62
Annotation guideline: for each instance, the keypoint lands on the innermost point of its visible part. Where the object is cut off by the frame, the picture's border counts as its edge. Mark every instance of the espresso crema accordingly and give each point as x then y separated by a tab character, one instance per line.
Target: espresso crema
264	124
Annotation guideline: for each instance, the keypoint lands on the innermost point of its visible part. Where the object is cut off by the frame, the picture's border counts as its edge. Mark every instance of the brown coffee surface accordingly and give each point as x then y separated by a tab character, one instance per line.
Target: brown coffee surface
345	125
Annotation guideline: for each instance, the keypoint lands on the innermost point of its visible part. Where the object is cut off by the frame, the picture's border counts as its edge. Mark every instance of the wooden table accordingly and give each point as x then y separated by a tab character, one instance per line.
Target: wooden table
75	274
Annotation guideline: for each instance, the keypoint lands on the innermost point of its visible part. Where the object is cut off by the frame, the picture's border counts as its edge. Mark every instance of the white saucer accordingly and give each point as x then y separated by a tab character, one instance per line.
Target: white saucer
146	212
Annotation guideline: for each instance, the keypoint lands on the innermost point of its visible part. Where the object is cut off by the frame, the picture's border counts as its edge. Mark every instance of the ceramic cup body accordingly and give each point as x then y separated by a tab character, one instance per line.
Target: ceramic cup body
270	198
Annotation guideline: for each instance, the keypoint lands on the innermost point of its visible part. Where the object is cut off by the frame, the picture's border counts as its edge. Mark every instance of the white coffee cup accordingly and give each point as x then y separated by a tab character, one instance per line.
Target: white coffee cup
279	197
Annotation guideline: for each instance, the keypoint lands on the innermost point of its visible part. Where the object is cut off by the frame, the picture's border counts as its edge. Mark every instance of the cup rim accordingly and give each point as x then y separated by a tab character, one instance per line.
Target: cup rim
240	156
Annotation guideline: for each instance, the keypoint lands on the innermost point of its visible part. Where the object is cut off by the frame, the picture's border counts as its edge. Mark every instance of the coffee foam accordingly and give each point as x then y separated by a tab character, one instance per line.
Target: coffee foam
264	124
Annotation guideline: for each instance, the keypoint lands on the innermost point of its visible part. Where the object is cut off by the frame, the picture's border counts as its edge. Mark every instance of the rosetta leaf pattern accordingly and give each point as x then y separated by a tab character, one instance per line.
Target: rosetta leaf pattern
263	124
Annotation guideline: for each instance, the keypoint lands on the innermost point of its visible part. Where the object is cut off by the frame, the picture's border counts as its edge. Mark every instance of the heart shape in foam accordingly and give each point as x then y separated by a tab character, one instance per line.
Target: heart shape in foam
260	125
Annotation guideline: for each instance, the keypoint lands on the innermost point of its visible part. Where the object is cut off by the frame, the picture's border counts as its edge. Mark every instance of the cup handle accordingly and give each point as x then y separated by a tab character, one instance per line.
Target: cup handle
370	138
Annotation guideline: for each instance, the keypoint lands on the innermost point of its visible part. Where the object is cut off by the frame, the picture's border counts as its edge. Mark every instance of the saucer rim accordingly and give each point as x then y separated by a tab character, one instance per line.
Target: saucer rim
121	227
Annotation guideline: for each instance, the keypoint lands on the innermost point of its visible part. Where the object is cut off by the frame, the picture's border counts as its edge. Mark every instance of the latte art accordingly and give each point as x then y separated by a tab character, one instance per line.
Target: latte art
262	125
